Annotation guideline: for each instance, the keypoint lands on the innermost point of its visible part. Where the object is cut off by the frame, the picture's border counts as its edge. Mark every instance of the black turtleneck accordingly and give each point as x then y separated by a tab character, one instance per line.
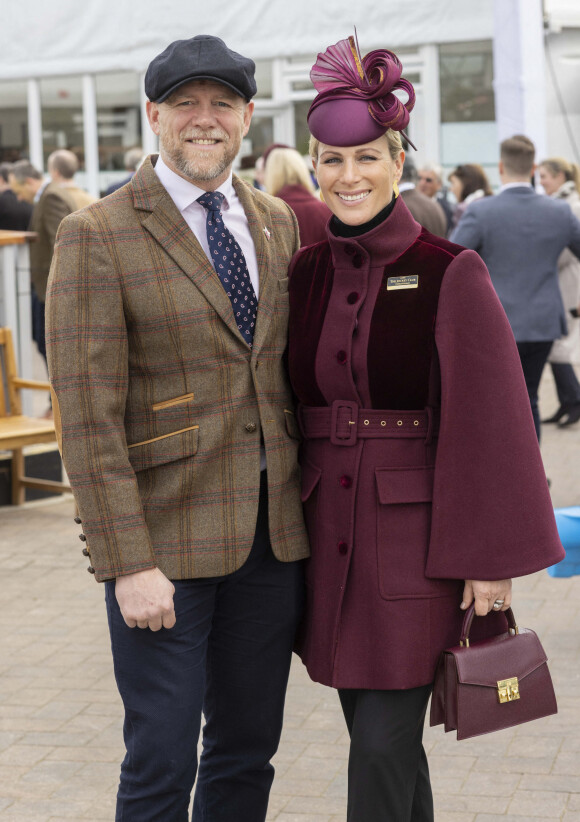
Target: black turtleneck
340	229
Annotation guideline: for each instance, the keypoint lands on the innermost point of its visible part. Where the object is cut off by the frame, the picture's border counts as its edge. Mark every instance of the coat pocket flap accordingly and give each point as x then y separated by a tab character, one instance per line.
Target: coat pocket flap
501	657
400	485
292	428
167	448
310	477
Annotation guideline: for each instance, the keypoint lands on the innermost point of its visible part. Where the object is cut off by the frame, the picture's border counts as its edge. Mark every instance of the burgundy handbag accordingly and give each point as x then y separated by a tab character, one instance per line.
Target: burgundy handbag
492	684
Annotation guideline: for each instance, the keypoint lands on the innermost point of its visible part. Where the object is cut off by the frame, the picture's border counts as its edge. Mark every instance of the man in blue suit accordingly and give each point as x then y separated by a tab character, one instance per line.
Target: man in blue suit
520	234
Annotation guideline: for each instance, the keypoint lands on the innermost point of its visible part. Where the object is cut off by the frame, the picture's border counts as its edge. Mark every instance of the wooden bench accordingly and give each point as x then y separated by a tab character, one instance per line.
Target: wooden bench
16	430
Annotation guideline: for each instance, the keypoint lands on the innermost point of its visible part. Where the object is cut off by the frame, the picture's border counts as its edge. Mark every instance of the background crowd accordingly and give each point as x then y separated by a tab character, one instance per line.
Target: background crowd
30	201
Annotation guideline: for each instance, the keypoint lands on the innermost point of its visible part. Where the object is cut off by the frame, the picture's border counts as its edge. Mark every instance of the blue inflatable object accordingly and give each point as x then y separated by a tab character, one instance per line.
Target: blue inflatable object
568	522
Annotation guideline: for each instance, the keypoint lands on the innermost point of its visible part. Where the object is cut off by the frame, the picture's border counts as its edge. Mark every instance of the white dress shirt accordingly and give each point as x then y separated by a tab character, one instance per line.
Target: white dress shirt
184	194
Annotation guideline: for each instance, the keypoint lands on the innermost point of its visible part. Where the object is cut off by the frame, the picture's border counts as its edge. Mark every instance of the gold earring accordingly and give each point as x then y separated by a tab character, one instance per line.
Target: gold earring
396	188
320	194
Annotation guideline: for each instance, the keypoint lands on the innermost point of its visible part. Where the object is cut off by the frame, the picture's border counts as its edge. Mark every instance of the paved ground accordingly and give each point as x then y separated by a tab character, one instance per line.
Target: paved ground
60	716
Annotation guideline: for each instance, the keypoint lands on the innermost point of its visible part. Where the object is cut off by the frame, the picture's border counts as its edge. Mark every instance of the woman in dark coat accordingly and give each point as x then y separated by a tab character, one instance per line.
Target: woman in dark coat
287	177
423	484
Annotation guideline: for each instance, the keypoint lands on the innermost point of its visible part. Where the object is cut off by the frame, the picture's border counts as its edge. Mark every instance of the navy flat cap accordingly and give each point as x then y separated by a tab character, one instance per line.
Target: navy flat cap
201	58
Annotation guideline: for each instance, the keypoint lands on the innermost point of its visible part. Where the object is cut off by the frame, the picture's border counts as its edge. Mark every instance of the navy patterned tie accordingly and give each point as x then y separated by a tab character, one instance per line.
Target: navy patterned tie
230	265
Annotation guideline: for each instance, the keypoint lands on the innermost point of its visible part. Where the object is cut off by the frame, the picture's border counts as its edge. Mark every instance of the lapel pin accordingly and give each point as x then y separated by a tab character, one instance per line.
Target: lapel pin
397	283
267	233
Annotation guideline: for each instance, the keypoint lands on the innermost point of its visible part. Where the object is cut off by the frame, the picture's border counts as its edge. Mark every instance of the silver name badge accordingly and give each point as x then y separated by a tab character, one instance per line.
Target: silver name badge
396	283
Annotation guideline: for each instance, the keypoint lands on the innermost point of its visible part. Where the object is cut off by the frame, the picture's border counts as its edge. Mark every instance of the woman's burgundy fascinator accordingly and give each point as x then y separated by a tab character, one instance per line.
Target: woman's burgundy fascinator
355	102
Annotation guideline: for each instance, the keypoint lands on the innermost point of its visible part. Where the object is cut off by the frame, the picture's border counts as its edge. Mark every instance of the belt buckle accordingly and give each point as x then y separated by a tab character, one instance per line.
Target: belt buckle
349	414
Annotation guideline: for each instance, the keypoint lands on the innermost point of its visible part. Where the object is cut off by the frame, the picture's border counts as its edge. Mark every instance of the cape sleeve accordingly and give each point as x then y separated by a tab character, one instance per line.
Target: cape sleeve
492	513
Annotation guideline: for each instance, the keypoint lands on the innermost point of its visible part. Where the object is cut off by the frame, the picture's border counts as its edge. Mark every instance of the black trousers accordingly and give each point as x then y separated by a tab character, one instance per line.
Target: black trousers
228	654
388	775
533	356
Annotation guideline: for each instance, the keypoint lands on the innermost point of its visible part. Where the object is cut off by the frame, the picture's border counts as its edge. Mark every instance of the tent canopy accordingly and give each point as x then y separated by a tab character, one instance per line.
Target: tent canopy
39	39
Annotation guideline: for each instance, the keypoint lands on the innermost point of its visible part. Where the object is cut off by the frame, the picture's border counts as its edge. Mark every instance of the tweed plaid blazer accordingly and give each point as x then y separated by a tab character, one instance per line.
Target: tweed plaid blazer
159	401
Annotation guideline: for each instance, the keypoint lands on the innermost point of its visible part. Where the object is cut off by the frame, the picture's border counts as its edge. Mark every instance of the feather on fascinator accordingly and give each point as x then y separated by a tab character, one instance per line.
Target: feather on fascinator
355	102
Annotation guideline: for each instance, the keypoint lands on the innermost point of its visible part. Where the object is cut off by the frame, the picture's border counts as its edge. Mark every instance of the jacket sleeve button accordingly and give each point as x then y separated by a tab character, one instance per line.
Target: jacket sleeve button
90	569
82	538
78	520
85	552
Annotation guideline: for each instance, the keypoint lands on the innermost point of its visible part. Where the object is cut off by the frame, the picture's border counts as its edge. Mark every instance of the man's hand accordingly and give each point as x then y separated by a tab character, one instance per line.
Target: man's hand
485	594
146	599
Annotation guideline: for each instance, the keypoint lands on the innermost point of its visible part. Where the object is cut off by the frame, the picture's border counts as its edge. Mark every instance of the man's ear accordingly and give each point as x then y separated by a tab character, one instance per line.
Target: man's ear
153	116
249	110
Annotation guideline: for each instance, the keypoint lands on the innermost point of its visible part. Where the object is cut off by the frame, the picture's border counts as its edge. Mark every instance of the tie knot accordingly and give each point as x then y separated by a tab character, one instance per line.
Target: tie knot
211	200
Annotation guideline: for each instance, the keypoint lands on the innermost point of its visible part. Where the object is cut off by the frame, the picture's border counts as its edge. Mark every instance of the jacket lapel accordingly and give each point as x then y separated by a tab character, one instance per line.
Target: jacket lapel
258	217
164	222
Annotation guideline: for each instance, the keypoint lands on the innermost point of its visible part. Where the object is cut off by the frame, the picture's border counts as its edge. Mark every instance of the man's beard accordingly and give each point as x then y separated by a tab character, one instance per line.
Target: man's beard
199	167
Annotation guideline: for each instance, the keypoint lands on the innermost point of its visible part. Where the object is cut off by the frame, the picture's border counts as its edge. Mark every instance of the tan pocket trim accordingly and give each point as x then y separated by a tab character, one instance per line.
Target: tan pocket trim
157	406
164	436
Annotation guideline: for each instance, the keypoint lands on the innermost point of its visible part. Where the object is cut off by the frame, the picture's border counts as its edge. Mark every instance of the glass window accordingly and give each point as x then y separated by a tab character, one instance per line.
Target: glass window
301	126
259	137
13	121
118	123
62	116
466	76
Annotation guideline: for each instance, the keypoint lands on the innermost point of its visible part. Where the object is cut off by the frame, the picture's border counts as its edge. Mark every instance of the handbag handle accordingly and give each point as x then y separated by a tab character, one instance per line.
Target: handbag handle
468	619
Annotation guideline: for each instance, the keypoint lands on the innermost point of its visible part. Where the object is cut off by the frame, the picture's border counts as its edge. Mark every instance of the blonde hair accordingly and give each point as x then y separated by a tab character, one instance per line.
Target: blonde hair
285	167
558	165
393	139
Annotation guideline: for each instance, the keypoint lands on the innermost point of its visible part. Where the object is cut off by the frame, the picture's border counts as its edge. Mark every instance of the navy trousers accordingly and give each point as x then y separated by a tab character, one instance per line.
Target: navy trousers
533	356
228	655
388	774
567	385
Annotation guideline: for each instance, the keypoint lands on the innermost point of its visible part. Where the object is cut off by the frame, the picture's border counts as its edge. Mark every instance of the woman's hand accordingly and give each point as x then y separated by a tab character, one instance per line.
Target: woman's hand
486	594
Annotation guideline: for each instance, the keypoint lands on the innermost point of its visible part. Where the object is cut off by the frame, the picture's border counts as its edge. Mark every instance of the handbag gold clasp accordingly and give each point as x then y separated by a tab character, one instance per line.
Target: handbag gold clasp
508	689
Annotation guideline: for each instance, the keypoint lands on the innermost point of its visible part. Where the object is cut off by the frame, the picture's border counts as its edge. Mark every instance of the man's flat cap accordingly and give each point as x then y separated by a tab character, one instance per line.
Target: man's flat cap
201	58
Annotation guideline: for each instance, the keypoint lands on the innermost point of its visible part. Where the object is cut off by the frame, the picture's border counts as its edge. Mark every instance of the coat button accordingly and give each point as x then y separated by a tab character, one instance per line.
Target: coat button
82	538
345	481
342	547
349	249
250	427
341	357
78	520
86	552
352	297
90	569
357	260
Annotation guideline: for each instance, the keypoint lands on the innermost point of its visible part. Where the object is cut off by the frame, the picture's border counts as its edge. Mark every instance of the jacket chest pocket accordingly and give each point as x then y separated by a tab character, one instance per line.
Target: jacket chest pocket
404	500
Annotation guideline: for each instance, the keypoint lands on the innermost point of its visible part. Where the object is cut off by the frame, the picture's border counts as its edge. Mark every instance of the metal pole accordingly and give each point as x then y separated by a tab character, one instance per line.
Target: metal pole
519	71
35	145
150	142
91	137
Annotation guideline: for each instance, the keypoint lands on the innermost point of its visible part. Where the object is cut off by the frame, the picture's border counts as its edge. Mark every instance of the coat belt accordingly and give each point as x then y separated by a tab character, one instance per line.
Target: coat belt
344	422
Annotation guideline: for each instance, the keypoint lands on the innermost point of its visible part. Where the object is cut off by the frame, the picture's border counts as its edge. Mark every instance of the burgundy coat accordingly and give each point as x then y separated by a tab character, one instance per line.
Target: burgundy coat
420	464
312	214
